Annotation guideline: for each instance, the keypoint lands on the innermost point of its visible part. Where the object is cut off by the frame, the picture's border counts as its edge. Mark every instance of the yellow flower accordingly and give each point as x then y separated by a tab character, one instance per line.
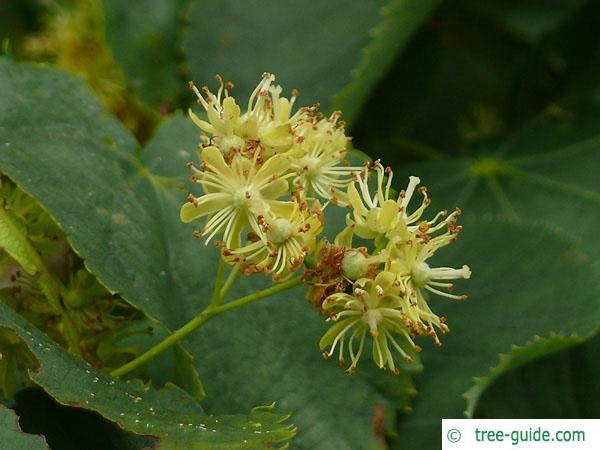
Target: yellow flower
288	240
377	307
379	215
318	158
237	194
408	254
267	122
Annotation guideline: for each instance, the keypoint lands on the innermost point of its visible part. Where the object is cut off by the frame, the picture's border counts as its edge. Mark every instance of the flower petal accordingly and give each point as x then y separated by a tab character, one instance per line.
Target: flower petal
213	157
203	206
202	124
275	166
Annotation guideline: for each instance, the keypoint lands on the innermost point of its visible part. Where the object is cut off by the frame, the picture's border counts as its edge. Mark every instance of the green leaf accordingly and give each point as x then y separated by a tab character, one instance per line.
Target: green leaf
145	39
67	428
547	171
560	386
401	19
518	357
13	240
168	414
13	438
529	20
454	80
121	213
312	48
113	210
526	281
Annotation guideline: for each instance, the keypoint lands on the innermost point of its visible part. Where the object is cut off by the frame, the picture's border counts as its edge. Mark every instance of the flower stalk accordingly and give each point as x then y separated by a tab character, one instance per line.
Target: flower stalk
205	315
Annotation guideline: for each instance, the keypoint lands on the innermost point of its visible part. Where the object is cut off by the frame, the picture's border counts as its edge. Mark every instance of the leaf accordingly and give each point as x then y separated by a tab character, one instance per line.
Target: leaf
168	414
528	20
13	240
546	171
144	36
456	76
518	357
559	386
313	49
111	208
66	428
401	19
122	215
11	436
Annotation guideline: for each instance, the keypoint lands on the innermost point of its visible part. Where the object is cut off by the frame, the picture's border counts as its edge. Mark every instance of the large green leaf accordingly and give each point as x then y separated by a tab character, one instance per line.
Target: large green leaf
122	214
309	47
517	366
560	386
547	171
145	39
13	438
170	415
85	168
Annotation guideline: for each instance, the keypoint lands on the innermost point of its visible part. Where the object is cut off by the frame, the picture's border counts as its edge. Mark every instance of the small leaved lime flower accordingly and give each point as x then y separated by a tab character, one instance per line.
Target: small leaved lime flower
223	117
288	240
236	195
375	307
409	253
403	242
318	158
378	215
267	122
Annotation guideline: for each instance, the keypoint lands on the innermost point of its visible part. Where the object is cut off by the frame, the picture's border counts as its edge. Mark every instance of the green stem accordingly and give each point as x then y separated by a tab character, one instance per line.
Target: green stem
207	314
216	297
17	244
235	271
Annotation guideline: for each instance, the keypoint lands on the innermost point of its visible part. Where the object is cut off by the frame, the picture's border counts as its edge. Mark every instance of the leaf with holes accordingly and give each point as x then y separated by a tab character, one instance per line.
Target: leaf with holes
170	415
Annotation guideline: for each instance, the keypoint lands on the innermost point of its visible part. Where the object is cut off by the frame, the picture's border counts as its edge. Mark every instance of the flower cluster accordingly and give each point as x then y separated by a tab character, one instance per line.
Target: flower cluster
264	175
267	175
384	293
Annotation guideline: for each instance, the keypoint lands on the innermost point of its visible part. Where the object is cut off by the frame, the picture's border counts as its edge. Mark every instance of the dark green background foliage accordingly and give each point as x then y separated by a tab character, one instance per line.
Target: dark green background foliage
494	105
